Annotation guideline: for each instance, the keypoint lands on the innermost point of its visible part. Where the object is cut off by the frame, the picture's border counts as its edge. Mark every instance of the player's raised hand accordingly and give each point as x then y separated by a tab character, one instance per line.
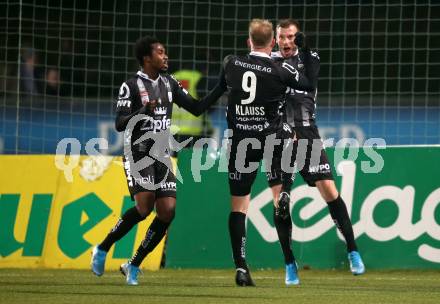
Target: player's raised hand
300	40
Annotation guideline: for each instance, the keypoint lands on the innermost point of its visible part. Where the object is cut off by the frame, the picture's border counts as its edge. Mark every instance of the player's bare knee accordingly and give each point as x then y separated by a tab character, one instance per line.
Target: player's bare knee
166	209
240	203
275	193
143	211
166	214
144	203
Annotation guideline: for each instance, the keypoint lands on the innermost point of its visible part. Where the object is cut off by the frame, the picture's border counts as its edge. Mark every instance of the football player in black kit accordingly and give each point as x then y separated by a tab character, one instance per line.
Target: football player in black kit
300	114
144	109
257	86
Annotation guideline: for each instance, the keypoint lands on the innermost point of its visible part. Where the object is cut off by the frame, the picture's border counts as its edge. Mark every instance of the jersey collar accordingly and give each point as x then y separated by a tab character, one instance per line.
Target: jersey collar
277	54
259	54
145	76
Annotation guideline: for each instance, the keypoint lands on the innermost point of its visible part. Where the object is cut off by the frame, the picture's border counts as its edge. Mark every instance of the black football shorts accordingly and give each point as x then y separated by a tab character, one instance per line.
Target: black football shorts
157	177
314	168
240	182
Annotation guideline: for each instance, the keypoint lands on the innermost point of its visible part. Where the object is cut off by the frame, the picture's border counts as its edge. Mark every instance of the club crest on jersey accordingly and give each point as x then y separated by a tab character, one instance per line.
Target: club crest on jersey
160	110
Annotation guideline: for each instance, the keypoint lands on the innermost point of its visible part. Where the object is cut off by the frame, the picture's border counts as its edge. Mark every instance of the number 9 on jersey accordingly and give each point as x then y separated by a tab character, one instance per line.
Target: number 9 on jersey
249	85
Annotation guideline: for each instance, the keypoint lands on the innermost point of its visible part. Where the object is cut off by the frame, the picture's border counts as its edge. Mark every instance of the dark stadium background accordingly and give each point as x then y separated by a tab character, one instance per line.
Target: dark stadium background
377	58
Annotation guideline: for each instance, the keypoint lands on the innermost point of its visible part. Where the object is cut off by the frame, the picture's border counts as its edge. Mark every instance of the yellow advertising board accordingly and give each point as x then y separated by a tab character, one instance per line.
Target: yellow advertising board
52	222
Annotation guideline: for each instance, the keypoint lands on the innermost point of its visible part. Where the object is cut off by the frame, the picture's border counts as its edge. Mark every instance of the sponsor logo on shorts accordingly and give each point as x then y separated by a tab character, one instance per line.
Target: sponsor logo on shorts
324	168
271	176
145	180
168	186
235	176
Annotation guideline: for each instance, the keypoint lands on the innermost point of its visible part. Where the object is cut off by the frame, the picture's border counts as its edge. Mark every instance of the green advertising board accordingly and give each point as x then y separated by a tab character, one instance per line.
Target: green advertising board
395	214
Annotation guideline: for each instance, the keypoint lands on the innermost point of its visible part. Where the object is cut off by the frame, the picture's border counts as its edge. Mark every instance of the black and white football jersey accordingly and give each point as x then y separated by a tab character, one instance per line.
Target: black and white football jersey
257	89
300	104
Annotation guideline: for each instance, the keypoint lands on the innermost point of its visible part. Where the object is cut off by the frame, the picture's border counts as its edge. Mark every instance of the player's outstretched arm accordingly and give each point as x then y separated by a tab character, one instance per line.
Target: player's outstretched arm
195	107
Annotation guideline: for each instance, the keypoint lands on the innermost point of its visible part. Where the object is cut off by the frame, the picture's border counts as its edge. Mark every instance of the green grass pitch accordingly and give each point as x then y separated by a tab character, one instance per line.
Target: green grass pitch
217	286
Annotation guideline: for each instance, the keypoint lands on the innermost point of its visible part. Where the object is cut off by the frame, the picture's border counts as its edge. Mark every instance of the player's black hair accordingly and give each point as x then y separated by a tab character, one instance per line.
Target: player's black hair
285	23
144	47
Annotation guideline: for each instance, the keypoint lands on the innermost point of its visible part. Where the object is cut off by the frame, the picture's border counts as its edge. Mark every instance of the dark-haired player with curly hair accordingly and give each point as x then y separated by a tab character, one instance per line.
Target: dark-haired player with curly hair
143	113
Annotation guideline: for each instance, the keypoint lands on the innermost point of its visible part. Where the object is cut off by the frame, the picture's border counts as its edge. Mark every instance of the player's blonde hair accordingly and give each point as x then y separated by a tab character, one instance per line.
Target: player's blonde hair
260	32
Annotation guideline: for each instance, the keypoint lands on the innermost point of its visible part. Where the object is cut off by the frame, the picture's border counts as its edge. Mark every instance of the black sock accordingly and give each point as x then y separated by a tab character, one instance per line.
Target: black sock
237	232
154	235
287	178
287	182
130	218
284	231
339	214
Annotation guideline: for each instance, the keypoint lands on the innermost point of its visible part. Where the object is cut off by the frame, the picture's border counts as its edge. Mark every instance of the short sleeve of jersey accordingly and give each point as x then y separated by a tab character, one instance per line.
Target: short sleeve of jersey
125	99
